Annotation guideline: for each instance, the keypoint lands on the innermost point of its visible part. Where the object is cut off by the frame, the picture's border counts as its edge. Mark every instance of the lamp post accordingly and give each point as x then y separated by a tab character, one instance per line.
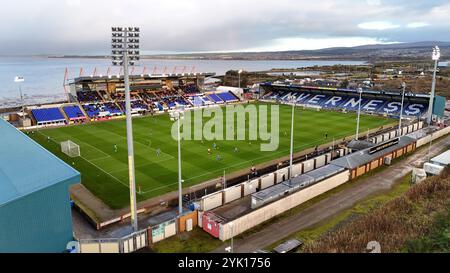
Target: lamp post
19	80
291	155
401	109
232	235
239	77
224	180
435	56
178	115
125	52
359	112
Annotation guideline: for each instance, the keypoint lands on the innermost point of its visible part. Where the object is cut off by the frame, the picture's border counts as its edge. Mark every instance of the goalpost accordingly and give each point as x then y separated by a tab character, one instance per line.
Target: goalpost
70	148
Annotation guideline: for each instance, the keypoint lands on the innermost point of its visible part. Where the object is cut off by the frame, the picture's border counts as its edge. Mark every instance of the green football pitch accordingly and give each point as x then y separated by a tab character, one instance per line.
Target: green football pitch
104	170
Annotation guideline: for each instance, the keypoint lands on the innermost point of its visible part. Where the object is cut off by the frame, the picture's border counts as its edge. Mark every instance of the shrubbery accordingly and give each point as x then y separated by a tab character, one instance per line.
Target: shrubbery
412	222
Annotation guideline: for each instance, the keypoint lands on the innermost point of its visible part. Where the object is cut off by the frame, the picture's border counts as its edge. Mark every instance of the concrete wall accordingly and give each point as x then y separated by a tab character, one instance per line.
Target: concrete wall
404	130
435	135
250	186
100	247
393	133
170	230
93	247
297	169
211	201
269	211
228	195
308	165
282	173
233	193
320	161
267	180
199	218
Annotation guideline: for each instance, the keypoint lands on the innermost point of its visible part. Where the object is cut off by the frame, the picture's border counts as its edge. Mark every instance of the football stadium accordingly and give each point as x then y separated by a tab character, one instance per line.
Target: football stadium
283	128
95	123
229	183
143	157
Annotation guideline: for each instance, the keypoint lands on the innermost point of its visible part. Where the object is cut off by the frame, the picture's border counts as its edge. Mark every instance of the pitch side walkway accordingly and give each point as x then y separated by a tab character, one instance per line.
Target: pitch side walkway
336	203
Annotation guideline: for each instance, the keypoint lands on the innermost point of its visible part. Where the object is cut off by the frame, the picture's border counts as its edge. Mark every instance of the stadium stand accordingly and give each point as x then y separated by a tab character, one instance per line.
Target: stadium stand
196	101
215	98
107	109
191	89
206	100
159	106
372	102
227	96
136	106
88	96
45	116
73	112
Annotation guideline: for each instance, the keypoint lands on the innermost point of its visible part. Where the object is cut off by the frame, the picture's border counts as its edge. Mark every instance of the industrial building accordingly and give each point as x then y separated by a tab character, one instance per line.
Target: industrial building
35	212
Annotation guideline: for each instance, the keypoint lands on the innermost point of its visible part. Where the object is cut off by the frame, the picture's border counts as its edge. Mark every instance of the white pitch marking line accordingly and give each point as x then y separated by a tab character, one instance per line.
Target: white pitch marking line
112	176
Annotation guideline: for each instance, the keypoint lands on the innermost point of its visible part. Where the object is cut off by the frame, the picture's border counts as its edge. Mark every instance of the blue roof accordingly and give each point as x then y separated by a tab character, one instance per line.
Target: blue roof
26	167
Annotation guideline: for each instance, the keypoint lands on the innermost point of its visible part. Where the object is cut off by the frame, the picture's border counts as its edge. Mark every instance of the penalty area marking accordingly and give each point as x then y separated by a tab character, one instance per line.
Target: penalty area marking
93	164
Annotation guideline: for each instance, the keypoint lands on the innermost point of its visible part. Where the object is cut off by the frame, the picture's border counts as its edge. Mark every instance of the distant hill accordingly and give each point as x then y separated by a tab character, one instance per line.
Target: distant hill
378	52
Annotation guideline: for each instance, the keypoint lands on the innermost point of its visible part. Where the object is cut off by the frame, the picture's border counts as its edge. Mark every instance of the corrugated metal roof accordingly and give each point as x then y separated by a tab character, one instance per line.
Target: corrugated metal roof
360	144
272	191
297	182
26	167
442	159
360	158
288	246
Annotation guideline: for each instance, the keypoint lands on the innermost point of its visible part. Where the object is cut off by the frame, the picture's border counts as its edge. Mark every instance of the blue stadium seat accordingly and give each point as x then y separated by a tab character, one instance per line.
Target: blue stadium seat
215	98
197	101
227	96
47	115
73	112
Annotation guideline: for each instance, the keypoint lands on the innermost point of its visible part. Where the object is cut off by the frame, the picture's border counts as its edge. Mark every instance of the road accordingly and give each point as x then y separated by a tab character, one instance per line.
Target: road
336	203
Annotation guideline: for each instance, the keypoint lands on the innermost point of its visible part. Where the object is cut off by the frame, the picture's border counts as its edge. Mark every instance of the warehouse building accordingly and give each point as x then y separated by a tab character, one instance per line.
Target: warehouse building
35	213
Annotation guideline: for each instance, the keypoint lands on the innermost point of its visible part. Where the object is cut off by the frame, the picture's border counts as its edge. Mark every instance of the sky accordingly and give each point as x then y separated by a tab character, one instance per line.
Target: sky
179	26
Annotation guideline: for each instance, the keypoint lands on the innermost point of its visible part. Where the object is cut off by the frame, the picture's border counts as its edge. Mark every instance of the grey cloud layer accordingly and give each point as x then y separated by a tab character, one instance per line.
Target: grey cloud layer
82	26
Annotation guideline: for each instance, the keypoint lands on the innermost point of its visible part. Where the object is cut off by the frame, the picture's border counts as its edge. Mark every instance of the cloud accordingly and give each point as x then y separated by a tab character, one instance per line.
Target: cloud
73	3
417	25
317	43
373	2
378	25
83	26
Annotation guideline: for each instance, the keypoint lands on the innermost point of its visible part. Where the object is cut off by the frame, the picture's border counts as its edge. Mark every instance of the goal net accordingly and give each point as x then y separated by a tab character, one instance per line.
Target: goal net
70	148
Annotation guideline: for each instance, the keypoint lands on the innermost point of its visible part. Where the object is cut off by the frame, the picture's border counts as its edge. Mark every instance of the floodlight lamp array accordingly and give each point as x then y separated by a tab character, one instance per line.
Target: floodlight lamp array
125	40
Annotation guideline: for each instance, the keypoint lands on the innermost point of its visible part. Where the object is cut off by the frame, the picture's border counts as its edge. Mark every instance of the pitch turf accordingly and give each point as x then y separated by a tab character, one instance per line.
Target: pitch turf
105	172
